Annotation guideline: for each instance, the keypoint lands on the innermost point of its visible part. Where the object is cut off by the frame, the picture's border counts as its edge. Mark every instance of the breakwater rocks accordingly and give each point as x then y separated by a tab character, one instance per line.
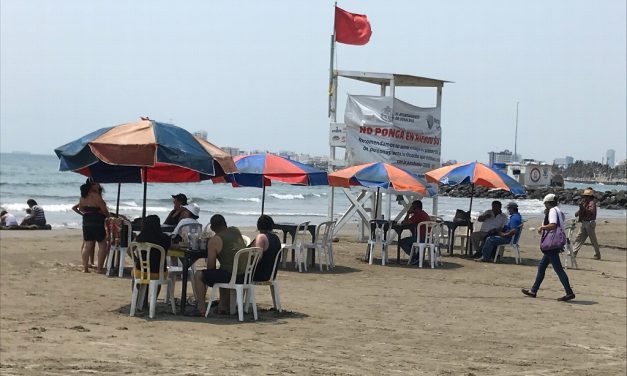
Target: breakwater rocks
613	199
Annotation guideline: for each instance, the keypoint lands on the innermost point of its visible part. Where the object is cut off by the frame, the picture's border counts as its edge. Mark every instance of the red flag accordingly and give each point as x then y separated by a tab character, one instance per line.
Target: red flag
351	28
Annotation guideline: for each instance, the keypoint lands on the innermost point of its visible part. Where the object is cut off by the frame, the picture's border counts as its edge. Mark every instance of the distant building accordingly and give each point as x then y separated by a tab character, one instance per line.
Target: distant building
201	134
610	156
504	156
563	162
231	150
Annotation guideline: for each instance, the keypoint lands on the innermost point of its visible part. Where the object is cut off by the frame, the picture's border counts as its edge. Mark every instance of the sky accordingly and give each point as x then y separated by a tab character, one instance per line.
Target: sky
254	74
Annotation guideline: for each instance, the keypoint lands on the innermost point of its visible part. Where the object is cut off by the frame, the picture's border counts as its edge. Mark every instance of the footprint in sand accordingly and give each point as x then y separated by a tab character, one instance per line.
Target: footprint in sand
80	328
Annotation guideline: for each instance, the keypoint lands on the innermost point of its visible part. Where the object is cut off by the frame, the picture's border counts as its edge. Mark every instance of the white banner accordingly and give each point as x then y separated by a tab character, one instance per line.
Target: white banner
380	129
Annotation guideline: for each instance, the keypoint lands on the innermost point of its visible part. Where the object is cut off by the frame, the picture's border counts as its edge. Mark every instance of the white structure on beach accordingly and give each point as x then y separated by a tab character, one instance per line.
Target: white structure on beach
363	202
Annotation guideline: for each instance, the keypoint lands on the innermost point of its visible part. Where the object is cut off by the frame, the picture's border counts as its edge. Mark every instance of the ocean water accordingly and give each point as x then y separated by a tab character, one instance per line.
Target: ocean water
24	176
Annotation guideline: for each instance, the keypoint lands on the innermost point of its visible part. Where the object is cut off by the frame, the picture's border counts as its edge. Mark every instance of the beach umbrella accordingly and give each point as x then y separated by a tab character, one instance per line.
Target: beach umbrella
475	173
142	152
259	170
381	175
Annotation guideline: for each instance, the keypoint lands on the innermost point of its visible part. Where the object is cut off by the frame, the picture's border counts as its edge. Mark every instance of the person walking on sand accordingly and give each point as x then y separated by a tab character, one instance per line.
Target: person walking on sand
94	210
587	215
553	218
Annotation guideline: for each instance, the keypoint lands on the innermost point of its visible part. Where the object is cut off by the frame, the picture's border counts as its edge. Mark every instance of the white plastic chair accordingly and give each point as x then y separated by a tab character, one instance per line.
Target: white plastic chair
252	256
323	243
379	235
146	277
513	244
175	271
431	241
297	247
570	259
116	250
273	283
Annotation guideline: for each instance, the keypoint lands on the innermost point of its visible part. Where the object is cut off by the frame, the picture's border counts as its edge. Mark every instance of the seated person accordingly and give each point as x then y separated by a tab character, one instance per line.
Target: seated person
174	217
189	214
414	215
221	247
7	219
504	236
36	215
151	233
270	244
491	221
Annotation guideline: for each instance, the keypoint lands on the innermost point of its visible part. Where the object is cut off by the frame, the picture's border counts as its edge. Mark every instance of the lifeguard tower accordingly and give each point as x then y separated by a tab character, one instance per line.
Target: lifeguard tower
364	201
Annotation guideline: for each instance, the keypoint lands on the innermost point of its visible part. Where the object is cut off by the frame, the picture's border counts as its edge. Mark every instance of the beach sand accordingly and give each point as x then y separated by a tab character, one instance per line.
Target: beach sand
465	318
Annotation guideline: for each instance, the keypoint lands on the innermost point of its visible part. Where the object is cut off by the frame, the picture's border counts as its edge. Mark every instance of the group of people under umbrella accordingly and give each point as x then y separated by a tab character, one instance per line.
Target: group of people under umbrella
149	151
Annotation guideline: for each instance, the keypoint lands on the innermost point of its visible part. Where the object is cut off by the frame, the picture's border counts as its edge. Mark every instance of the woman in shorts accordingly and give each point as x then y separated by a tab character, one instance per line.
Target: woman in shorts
94	211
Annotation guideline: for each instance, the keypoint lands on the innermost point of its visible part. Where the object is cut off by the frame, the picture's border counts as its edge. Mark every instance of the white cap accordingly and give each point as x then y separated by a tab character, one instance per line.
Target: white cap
549	198
193	208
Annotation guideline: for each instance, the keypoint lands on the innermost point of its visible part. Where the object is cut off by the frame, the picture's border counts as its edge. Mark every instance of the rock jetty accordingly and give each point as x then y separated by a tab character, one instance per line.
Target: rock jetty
613	199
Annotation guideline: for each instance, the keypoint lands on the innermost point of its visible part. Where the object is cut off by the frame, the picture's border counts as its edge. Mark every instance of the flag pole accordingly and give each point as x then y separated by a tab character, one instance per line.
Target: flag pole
331	64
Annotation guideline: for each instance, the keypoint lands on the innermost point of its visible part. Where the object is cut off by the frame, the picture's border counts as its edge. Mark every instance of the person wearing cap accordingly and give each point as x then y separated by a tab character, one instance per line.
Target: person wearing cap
553	217
7	219
189	214
491	222
179	200
503	236
587	215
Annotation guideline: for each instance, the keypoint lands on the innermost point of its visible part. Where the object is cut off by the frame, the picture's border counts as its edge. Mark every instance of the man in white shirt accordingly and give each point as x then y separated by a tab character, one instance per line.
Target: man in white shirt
491	220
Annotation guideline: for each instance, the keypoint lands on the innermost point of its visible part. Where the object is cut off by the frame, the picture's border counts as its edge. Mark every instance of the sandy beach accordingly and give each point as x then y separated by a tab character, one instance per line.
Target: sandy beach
465	318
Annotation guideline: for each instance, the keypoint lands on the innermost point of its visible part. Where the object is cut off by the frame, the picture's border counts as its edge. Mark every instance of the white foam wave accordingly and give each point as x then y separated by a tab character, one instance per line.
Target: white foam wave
287	196
248	199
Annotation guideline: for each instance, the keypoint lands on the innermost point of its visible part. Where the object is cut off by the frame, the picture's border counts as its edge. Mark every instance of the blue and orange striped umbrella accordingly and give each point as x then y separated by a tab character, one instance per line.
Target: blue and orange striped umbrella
475	173
381	175
258	170
144	151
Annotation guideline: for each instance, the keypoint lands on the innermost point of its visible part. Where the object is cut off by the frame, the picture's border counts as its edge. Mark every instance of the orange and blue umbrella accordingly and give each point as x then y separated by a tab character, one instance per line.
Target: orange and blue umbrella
475	173
381	175
144	151
259	170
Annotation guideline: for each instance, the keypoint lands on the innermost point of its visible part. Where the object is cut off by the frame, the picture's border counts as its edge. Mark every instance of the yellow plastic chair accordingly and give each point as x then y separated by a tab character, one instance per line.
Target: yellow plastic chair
144	277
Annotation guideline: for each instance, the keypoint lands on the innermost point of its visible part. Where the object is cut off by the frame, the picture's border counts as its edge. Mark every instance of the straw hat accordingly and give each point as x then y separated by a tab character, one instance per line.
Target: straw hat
588	192
512	204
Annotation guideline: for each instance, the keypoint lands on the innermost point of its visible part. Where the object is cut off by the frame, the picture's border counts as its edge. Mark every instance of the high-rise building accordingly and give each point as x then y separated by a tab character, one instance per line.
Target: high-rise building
564	162
610	155
504	156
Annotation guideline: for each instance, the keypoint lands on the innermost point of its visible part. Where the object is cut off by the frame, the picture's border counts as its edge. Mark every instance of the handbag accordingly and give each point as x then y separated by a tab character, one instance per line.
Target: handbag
553	240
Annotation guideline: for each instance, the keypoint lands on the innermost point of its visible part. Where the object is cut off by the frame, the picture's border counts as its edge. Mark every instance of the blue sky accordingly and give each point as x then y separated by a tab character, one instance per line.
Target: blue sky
254	74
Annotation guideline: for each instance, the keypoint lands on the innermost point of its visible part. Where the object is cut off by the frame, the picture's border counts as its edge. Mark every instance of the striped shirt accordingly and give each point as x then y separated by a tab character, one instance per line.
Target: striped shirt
37	215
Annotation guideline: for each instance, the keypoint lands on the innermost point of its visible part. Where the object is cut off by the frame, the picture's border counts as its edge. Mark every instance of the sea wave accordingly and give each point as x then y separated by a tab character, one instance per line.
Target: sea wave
287	196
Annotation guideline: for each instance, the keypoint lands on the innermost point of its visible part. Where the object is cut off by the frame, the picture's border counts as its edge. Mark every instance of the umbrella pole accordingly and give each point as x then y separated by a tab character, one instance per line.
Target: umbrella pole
472	193
145	188
117	205
376	204
263	198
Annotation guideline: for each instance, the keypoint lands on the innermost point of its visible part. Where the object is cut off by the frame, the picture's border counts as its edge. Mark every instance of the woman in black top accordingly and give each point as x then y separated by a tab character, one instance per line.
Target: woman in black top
270	243
94	210
152	233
